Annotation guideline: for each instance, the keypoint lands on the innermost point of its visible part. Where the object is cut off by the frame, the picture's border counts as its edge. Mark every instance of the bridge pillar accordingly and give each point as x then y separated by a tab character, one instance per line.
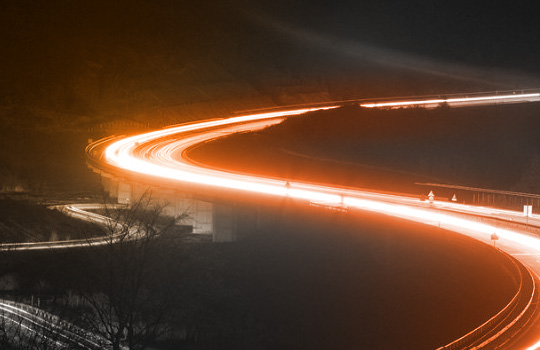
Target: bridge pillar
225	221
195	213
138	190
106	182
234	221
113	190
247	220
203	217
224	225
124	192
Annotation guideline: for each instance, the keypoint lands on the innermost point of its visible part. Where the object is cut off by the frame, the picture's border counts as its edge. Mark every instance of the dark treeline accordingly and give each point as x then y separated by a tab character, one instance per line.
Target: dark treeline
310	279
488	146
23	221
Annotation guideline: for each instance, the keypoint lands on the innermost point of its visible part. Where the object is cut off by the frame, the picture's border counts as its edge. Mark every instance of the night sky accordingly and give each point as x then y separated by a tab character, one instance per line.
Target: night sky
49	47
442	38
498	33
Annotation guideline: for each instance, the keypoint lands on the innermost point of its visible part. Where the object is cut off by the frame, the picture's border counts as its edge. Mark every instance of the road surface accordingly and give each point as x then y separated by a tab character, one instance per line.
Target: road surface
81	212
164	154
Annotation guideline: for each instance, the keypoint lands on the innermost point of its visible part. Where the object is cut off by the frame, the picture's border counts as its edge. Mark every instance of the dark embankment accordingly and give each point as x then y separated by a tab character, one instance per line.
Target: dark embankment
488	146
311	280
23	221
365	282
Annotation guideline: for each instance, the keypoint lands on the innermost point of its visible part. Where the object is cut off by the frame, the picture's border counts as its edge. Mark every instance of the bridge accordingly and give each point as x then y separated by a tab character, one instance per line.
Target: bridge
217	202
228	204
222	211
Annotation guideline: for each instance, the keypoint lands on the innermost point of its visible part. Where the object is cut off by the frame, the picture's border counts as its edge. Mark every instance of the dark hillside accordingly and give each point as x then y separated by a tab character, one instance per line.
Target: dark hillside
21	221
95	68
490	147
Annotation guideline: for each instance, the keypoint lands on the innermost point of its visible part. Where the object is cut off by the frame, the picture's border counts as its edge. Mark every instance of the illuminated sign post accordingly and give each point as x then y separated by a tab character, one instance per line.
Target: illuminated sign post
494	238
527	210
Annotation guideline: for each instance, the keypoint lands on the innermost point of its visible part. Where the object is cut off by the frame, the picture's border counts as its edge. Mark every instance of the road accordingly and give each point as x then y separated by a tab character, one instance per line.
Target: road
40	328
461	101
164	154
44	330
81	212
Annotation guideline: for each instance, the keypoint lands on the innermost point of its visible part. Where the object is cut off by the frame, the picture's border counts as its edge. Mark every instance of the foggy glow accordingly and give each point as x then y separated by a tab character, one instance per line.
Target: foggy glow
386	56
534	347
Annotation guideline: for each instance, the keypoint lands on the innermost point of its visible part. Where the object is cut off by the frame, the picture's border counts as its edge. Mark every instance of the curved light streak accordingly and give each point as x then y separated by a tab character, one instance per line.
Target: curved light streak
66	334
78	211
162	154
453	101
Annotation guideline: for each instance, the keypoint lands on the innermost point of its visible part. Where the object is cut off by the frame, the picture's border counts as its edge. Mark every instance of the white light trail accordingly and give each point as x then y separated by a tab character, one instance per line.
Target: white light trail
168	160
162	154
78	211
501	98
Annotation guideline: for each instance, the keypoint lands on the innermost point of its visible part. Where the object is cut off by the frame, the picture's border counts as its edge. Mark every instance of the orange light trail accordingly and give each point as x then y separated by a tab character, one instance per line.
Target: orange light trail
163	154
166	159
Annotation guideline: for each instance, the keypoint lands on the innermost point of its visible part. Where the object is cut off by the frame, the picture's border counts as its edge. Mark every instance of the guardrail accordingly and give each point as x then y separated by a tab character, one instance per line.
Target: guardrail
478	94
487	326
497	222
71	333
75	212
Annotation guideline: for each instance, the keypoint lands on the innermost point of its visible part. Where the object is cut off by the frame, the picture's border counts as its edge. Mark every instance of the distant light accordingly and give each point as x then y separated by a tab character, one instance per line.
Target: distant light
450	100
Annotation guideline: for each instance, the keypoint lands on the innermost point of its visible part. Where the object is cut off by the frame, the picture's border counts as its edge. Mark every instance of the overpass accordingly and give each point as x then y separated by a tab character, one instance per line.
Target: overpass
226	212
225	203
223	212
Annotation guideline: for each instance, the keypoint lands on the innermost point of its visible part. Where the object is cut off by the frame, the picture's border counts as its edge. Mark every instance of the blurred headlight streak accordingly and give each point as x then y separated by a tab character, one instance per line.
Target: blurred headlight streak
163	154
165	157
462	100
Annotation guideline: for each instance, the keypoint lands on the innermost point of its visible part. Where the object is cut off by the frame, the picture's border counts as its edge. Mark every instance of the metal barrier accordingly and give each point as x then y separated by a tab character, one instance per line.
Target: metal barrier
69	331
487	326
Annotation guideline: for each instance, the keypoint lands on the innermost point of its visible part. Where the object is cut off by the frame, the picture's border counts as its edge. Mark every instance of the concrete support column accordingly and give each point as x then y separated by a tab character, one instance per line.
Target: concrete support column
183	205
247	220
234	221
138	190
106	183
224	229
196	213
203	217
113	188
124	193
226	221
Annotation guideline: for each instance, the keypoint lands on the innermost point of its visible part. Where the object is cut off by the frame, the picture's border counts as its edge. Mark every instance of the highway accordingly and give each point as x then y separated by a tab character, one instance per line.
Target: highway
163	154
81	212
40	328
44	330
459	101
